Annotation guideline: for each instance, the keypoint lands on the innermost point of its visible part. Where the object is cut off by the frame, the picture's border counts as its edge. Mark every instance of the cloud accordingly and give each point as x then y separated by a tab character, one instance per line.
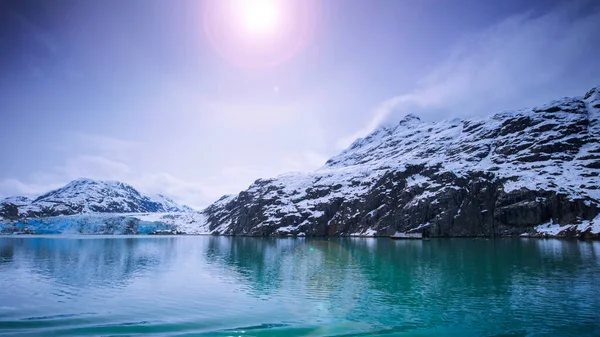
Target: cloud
89	156
195	195
522	61
93	167
199	193
86	166
102	157
102	145
14	187
306	160
93	156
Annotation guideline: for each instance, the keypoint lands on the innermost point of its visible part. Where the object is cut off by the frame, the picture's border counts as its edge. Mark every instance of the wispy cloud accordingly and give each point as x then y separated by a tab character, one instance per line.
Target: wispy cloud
102	157
524	60
107	158
112	147
94	167
190	193
90	156
14	187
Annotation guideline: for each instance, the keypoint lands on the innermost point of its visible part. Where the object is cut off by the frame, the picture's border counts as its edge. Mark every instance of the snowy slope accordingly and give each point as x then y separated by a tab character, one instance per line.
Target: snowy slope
186	222
87	196
499	175
18	201
169	205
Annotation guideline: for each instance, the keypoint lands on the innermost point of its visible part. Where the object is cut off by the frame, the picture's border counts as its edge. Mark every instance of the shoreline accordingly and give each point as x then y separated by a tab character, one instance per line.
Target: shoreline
67	235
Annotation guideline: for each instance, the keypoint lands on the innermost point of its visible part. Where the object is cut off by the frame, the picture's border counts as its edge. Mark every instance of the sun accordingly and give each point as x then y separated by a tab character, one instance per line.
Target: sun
258	18
258	33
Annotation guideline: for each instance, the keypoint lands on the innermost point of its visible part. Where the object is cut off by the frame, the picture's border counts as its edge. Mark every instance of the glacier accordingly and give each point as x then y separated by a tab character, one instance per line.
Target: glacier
110	224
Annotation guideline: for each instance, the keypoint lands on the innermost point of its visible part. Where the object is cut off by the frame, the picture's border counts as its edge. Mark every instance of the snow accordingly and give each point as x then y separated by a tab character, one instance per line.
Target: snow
552	229
421	226
287	229
593	226
444	145
170	205
189	223
94	196
416	180
19	201
454	146
368	232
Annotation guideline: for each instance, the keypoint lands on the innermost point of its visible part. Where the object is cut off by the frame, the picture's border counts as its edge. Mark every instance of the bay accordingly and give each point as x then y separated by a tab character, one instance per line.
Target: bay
241	286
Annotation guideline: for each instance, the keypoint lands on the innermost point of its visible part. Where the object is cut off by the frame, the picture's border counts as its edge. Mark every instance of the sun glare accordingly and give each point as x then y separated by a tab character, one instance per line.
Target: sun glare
258	17
258	33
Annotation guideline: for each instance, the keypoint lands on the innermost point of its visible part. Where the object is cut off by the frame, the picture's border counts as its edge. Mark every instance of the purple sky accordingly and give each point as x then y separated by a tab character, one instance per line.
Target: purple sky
136	91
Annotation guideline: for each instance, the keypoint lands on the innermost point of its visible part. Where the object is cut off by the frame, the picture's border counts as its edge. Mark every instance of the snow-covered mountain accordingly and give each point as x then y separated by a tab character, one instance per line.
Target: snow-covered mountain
169	205
87	196
518	172
528	172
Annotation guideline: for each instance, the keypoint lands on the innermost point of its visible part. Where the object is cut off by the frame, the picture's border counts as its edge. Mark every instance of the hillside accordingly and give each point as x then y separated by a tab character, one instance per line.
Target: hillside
87	196
518	172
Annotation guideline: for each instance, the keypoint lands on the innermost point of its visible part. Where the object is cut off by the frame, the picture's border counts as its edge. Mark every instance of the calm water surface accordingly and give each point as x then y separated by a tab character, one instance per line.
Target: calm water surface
221	286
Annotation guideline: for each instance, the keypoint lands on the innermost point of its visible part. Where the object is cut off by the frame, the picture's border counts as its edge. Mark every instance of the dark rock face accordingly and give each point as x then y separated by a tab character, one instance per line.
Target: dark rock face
497	176
9	211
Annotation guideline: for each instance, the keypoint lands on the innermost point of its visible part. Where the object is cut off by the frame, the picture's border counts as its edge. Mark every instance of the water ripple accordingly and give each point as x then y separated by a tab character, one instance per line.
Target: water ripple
215	286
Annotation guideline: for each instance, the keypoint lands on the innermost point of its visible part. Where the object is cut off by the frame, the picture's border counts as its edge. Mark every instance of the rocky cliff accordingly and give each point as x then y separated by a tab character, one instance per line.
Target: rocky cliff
527	172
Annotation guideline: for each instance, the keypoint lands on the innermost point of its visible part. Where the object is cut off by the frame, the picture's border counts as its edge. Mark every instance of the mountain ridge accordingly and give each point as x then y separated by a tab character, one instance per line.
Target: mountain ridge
504	174
85	195
529	172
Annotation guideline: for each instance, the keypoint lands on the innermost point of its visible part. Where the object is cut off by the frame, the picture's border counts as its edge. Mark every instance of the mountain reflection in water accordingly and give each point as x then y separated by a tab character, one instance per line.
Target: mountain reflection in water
211	285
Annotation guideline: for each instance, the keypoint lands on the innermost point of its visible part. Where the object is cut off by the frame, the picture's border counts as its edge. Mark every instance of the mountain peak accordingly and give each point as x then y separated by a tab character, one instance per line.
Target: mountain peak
409	119
81	181
592	97
86	195
508	171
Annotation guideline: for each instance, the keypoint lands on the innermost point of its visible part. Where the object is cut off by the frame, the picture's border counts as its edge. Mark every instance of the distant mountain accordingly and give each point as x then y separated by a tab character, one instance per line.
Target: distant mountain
171	206
526	172
87	196
18	201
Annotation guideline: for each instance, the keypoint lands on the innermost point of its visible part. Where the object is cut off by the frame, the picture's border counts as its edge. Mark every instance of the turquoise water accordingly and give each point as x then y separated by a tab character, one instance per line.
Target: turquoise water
223	286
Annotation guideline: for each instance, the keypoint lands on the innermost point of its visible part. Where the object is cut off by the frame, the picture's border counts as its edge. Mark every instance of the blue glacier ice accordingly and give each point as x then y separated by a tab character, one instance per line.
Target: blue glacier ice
86	224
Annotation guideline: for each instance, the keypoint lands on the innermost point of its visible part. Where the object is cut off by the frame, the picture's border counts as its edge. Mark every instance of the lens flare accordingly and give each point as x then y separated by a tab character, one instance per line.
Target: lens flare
258	17
258	33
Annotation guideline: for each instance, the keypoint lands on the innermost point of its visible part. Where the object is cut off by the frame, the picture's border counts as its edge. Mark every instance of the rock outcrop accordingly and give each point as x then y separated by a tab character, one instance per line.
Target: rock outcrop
526	172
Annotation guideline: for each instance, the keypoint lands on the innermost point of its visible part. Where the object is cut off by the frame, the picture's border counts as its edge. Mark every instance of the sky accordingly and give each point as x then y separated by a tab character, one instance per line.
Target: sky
196	99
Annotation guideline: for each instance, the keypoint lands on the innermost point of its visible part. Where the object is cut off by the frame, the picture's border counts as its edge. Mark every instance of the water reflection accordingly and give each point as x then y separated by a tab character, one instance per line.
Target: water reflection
420	283
255	261
86	263
317	286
